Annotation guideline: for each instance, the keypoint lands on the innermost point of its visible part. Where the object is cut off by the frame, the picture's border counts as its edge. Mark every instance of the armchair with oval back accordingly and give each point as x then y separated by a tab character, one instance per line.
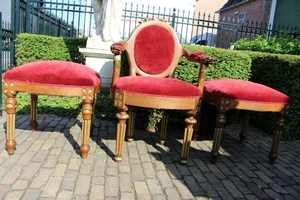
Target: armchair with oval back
153	52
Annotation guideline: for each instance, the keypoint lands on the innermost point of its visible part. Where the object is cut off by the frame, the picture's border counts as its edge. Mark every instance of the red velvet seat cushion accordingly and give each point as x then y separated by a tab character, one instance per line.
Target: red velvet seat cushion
164	87
244	91
56	73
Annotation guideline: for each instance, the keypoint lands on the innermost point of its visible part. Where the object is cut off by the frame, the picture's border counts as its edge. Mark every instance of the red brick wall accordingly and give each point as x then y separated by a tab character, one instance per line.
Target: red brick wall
258	10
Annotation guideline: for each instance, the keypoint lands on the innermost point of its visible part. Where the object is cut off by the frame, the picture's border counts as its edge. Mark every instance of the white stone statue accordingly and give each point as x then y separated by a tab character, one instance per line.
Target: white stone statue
107	15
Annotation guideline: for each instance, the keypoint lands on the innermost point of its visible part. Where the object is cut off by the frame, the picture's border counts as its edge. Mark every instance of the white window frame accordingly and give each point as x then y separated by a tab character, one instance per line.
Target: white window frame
241	16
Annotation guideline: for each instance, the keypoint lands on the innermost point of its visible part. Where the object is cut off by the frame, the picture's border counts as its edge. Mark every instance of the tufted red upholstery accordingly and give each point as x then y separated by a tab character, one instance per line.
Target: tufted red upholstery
57	73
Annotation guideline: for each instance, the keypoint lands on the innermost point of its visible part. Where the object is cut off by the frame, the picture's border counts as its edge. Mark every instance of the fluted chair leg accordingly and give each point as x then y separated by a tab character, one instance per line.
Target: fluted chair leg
131	124
187	138
273	155
121	129
33	112
244	128
220	121
164	125
10	105
197	126
87	110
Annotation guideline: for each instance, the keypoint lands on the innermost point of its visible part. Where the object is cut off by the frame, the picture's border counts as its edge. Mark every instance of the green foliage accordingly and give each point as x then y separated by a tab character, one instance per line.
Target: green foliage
31	47
229	64
263	43
73	44
280	72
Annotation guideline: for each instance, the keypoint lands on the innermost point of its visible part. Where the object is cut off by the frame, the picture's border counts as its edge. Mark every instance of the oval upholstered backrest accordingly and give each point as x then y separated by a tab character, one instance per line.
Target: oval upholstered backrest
154	48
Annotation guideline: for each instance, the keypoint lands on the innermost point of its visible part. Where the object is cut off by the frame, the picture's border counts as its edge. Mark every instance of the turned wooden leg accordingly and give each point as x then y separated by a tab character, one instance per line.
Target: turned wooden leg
121	128
33	112
10	105
131	124
220	121
164	125
87	110
245	122
277	134
188	133
93	113
197	126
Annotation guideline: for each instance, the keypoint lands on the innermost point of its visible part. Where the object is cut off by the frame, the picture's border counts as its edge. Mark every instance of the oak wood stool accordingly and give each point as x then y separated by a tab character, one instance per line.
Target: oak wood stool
55	78
228	94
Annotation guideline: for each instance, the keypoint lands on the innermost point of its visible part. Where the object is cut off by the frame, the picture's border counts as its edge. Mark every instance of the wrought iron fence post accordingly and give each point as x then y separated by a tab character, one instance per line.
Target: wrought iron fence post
27	18
173	17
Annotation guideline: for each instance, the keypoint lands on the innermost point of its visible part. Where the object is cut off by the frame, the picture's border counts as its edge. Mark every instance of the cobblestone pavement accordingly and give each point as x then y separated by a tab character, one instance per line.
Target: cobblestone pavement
47	165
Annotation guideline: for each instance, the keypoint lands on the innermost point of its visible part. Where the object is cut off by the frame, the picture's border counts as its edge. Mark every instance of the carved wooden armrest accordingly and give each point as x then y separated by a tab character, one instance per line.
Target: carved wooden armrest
117	48
201	57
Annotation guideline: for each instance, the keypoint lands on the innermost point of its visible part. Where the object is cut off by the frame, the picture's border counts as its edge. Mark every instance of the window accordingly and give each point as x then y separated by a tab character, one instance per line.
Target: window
241	16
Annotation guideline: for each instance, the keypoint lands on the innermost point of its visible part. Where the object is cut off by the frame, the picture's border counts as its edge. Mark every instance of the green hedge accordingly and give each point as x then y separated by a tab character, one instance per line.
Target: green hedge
280	72
31	47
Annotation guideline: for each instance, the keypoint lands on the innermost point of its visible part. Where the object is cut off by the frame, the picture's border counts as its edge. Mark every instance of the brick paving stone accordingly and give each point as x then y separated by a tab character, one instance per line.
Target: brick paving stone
125	183
12	175
87	169
52	187
172	193
292	192
111	186
240	185
40	156
148	170
283	176
263	177
193	186
183	170
19	184
257	191
142	191
137	172
3	190
183	189
173	171
202	166
251	197
225	195
164	179
36	145
213	180
215	170
208	189
14	195
240	174
31	194
64	157
232	189
127	196
51	161
272	194
154	186
41	179
82	185
97	192
30	171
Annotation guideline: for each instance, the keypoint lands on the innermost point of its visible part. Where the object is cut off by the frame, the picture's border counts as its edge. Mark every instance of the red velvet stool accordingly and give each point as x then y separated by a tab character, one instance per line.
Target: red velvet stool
228	94
58	78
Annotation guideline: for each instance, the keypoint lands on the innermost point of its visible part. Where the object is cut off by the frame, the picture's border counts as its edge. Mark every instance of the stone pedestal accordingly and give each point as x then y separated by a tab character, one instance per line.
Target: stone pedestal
99	57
